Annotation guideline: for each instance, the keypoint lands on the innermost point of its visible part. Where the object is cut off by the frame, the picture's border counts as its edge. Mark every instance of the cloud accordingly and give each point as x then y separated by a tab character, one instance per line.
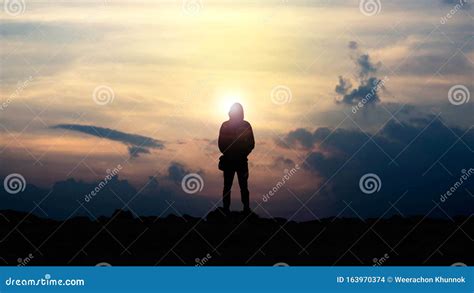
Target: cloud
135	151
282	162
298	138
137	144
64	199
344	85
365	65
429	157
462	4
428	63
366	91
353	45
176	172
369	84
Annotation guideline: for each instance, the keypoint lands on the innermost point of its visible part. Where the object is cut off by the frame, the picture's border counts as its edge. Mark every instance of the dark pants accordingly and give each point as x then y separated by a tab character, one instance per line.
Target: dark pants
242	175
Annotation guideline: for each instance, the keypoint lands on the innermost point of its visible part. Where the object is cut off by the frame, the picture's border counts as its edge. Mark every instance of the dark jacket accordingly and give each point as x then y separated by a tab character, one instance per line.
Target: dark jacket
236	139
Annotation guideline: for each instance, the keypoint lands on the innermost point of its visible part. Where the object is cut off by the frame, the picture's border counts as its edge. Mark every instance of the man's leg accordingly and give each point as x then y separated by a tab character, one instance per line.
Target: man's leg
228	179
243	175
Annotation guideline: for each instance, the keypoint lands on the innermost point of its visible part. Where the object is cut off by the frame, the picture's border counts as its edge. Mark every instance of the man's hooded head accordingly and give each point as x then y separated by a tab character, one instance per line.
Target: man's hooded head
236	112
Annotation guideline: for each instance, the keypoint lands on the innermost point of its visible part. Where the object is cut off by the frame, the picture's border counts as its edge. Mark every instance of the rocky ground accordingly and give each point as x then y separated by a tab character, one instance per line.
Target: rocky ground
235	239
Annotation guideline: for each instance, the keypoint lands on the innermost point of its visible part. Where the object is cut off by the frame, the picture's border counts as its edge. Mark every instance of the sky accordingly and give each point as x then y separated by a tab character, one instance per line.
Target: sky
334	90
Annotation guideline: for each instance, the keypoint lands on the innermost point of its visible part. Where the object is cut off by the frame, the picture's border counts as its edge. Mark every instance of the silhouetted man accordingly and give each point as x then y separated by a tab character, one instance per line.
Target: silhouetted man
235	143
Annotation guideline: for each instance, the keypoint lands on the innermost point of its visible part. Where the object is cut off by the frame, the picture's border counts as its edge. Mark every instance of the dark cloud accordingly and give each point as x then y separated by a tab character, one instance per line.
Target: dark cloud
343	86
299	137
367	92
135	151
369	85
176	172
428	159
65	198
353	45
137	144
304	138
365	66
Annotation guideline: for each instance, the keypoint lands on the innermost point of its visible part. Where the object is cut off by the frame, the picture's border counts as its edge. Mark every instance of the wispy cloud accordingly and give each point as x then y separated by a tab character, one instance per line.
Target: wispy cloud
137	144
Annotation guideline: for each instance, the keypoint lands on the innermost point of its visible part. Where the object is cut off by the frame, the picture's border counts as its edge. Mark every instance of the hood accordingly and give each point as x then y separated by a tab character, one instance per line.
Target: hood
236	112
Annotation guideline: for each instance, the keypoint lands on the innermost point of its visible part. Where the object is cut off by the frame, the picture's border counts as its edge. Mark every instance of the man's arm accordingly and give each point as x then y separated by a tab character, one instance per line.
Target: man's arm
251	140
221	139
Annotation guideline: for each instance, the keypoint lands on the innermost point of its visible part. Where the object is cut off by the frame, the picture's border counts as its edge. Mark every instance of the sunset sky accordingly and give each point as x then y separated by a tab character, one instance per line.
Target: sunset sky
165	73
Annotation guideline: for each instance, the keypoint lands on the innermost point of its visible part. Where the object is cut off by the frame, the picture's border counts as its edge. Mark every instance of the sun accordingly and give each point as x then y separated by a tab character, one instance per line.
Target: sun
227	100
